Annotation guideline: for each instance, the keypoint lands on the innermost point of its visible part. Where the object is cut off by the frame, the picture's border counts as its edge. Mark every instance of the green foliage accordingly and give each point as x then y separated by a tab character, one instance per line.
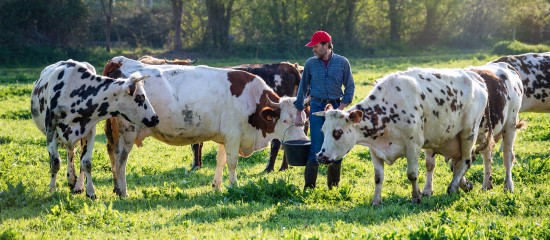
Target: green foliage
516	47
278	191
14	196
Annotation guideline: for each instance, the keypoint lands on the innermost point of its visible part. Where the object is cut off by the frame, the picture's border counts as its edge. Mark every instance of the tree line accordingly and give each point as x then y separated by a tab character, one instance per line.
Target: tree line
269	28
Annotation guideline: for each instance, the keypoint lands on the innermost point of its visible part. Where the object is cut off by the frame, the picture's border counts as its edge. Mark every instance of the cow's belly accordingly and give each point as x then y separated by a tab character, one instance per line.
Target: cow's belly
532	104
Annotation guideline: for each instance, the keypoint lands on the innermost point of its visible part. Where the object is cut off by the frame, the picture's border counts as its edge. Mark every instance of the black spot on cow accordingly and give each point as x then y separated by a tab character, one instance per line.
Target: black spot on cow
85	115
372	97
435	113
429	89
102	110
337	134
437	75
140	99
439	101
60	75
398	89
422	96
85	75
58	86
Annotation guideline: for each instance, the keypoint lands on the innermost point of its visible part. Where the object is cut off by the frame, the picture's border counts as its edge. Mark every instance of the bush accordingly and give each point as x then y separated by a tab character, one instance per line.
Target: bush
516	47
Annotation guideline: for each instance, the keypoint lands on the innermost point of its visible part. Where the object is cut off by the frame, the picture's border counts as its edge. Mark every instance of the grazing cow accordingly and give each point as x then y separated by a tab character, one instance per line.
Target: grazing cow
534	72
505	93
69	99
155	61
284	79
406	112
198	103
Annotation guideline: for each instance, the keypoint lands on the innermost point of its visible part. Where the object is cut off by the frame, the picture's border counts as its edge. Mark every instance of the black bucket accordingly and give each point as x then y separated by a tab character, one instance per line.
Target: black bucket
296	152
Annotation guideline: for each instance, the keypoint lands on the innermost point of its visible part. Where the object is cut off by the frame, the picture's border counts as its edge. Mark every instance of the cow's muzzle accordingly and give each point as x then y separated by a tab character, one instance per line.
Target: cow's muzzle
323	159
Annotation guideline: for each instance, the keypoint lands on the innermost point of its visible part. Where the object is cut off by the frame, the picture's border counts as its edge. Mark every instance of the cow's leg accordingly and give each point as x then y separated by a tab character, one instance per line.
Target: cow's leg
87	145
509	158
220	164
459	167
232	153
430	167
275	145
54	159
71	174
197	156
412	173
487	156
121	136
378	179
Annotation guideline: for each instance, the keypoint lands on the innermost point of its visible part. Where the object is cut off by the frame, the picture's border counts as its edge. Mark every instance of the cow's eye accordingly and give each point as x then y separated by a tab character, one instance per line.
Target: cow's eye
337	133
284	121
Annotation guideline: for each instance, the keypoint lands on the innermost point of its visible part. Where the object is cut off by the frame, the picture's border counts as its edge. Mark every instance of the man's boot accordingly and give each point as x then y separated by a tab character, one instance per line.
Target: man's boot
310	174
333	174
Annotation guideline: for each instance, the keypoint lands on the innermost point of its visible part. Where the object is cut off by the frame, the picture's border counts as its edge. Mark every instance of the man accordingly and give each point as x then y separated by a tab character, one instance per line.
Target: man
323	77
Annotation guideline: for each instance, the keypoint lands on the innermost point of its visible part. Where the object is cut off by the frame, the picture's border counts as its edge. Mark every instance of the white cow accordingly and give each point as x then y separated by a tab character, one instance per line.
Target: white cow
69	99
505	94
197	103
406	112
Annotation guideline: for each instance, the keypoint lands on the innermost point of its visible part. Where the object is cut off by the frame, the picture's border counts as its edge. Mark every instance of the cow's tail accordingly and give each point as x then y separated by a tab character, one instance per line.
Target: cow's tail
488	140
520	124
112	137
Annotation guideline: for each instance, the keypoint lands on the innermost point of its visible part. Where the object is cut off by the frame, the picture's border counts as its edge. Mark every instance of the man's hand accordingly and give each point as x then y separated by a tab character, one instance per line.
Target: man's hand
342	106
299	121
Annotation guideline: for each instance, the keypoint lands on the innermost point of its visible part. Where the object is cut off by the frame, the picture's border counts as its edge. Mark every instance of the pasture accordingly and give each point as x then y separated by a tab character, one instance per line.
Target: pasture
168	201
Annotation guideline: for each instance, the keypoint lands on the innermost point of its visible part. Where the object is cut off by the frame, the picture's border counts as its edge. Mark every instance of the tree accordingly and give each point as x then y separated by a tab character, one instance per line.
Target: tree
177	11
108	13
395	20
219	20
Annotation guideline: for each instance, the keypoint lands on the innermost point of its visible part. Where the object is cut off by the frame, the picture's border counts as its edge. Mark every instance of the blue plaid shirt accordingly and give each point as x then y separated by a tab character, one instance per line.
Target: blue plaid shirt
325	82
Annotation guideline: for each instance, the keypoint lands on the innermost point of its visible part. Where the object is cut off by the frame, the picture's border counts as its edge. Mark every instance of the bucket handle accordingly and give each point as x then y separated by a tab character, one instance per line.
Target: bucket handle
285	132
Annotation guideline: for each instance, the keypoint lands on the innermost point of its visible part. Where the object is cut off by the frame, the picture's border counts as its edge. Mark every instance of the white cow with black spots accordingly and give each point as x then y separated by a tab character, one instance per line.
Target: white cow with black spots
405	113
505	95
69	99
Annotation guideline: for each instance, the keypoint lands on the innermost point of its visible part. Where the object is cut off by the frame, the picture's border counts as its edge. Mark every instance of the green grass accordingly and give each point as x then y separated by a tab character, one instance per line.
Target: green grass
167	200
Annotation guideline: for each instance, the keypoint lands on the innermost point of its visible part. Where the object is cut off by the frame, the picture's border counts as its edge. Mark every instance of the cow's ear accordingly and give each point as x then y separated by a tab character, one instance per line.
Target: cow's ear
328	107
269	114
131	89
355	116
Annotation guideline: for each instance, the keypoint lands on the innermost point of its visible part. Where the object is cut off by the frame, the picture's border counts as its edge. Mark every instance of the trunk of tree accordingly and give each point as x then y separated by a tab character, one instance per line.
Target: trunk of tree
395	20
430	33
177	10
108	12
219	19
349	30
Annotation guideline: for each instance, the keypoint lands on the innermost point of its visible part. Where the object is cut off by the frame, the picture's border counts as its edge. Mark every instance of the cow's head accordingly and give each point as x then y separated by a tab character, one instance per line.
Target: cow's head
277	118
340	135
133	103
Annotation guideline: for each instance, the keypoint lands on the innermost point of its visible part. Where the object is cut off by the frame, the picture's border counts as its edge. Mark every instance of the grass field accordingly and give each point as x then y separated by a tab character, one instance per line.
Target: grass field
167	201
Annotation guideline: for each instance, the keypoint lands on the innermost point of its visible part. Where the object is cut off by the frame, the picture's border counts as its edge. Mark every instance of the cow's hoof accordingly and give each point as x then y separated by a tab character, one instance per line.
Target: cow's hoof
451	190
93	196
416	200
78	191
427	192
488	186
268	170
196	168
468	186
376	202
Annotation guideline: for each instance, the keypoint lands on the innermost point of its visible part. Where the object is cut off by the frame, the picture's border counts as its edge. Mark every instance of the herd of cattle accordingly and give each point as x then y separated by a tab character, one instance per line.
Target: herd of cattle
454	112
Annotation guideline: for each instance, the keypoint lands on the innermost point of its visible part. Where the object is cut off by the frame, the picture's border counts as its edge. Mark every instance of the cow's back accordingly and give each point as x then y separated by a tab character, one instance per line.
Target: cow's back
433	101
534	71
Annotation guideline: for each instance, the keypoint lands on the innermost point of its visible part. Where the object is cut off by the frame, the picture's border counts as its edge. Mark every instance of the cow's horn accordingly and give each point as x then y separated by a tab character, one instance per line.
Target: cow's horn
271	104
137	79
319	114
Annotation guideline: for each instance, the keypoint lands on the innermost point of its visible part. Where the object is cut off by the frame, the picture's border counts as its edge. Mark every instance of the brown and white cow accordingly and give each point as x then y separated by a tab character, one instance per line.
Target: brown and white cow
284	79
198	103
67	102
534	72
505	94
406	112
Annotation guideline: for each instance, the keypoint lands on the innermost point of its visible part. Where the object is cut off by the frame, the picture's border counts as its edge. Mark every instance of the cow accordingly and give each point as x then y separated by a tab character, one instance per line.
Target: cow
155	61
505	91
67	102
234	108
406	112
534	72
284	79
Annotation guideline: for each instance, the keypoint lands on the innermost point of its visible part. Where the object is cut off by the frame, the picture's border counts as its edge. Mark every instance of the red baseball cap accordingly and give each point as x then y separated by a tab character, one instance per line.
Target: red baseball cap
319	36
